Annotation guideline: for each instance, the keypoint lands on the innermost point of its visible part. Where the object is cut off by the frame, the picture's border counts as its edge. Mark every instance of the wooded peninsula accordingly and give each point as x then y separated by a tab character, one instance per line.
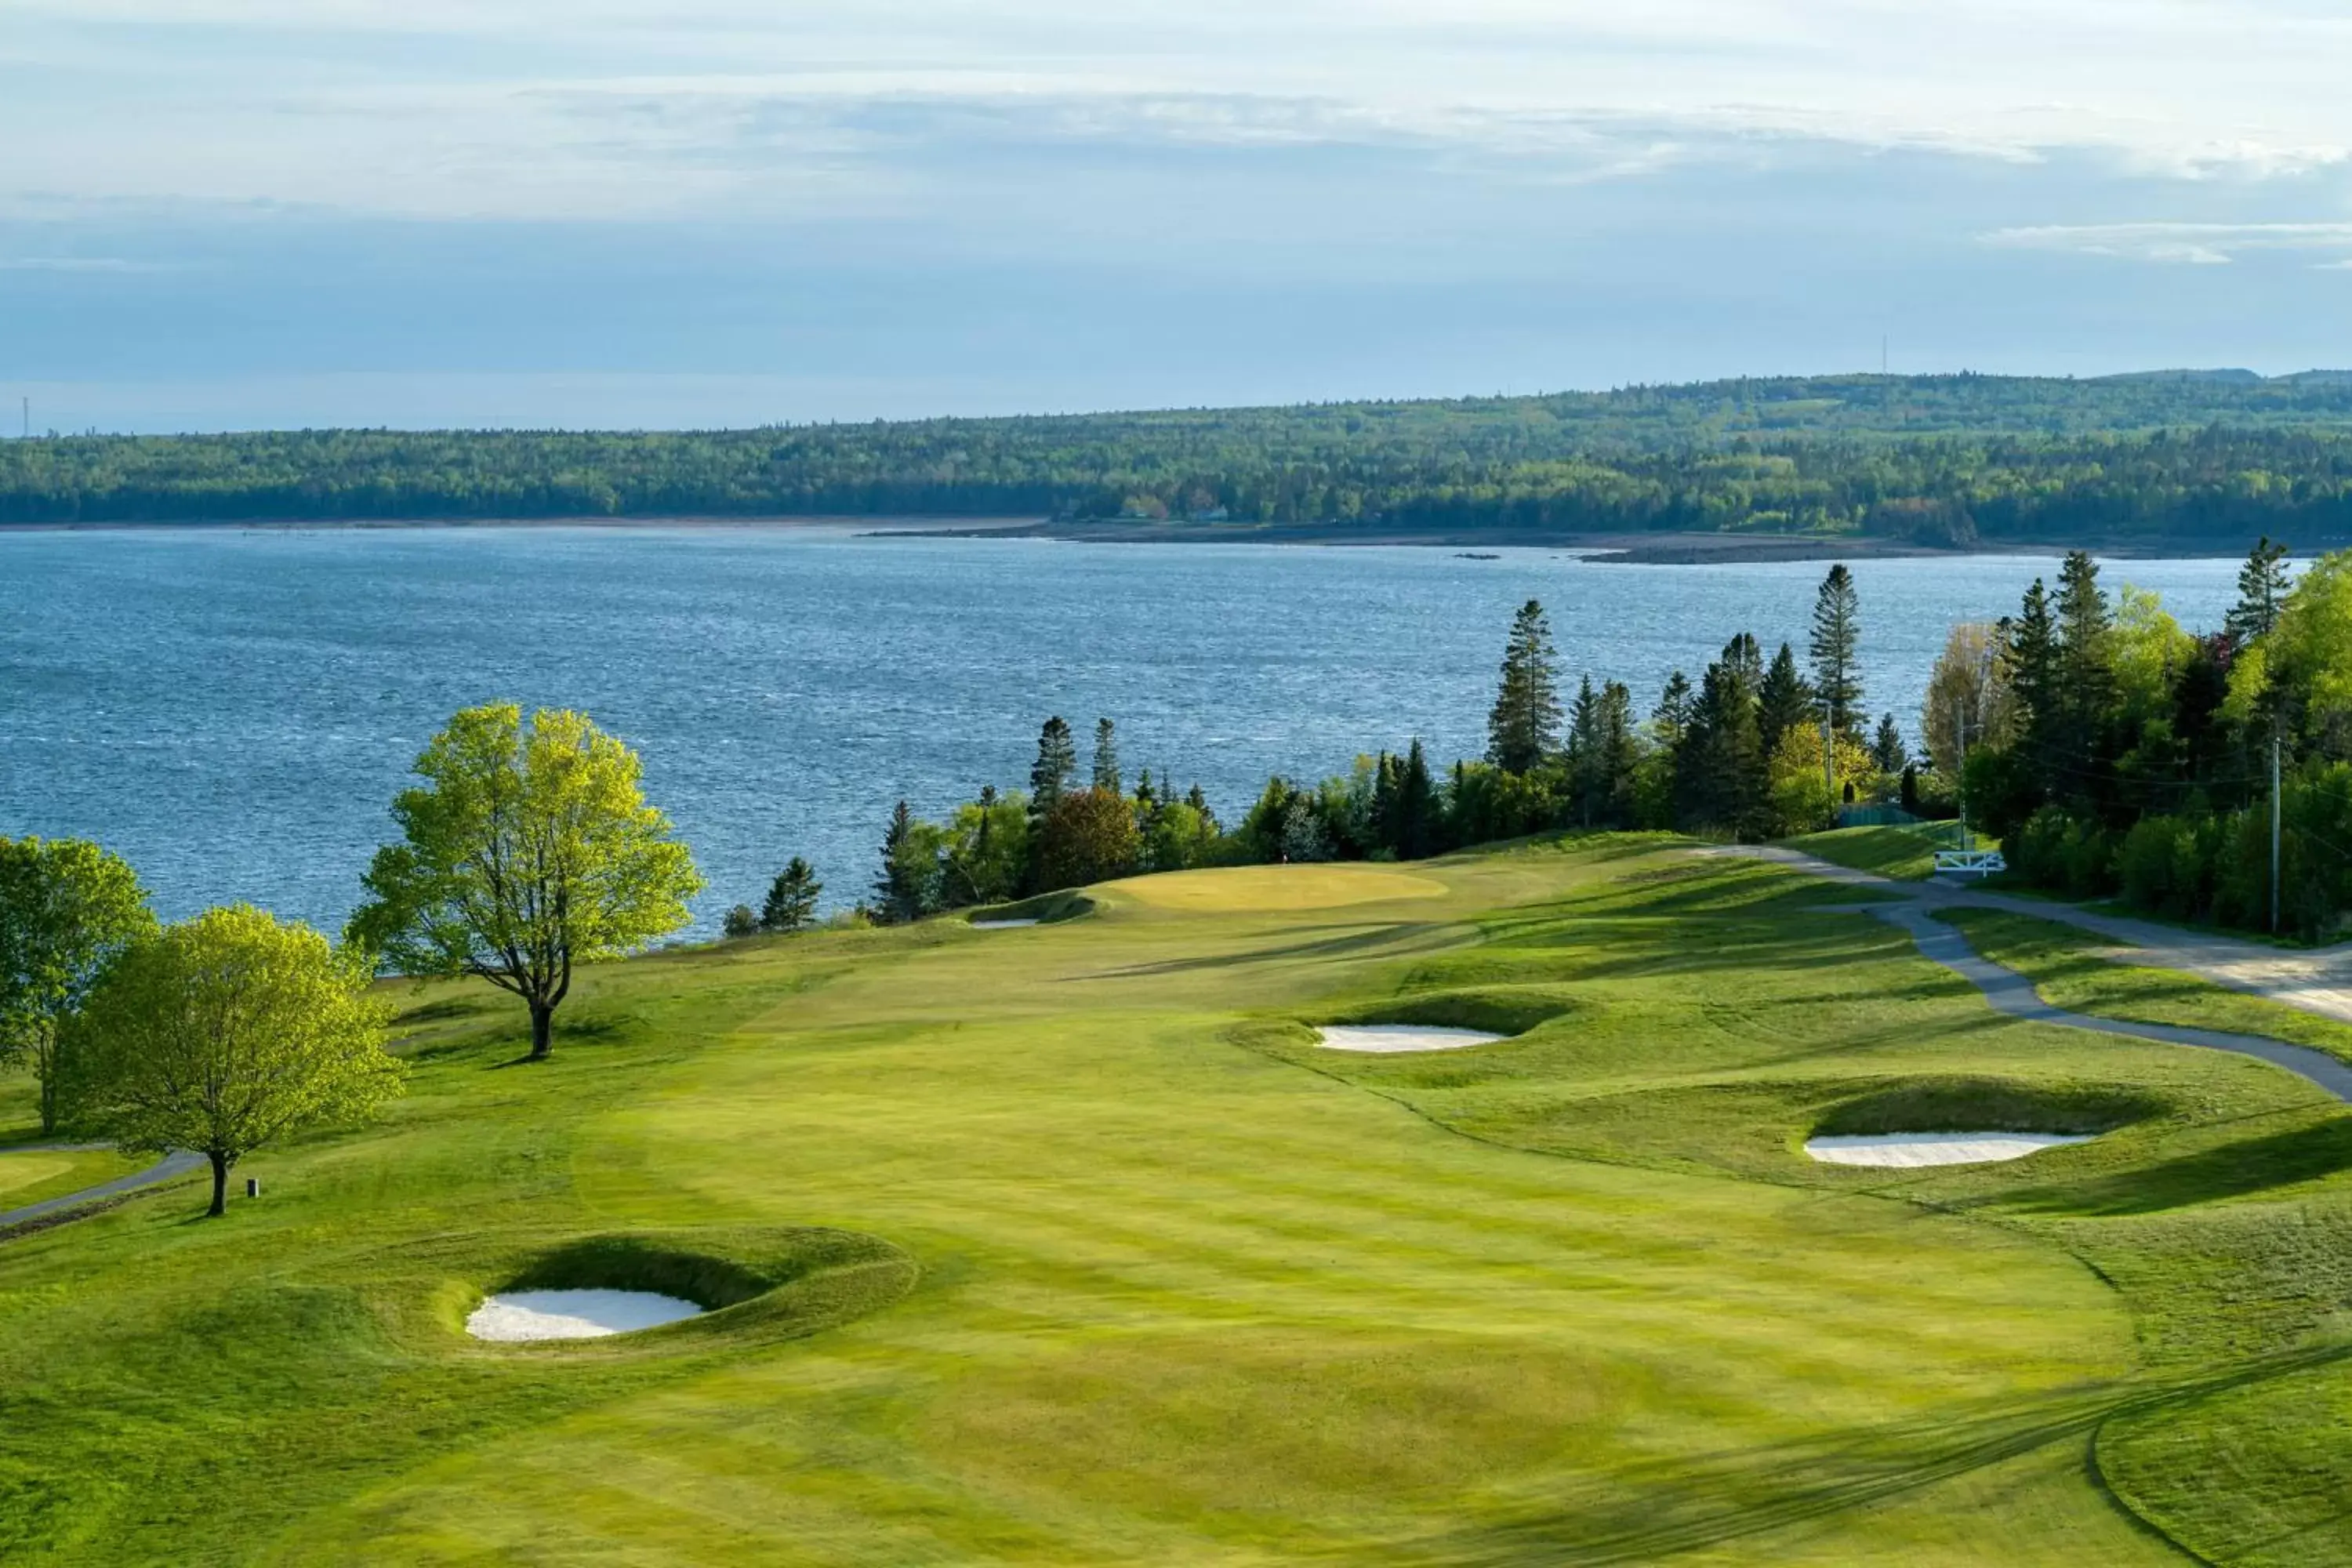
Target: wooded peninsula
1954	461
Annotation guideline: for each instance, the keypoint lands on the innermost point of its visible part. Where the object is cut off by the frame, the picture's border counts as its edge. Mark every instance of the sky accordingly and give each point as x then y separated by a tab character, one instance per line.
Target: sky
226	214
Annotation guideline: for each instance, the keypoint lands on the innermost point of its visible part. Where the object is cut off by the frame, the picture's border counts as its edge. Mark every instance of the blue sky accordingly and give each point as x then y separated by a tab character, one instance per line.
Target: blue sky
520	212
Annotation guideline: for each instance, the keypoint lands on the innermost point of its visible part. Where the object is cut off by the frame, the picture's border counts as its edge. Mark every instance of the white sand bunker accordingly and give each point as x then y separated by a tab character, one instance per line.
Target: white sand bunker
1003	925
1907	1150
1390	1037
575	1314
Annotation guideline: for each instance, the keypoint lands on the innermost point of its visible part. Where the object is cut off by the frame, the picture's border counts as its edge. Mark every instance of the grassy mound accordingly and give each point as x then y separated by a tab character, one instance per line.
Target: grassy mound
774	1282
1906	854
1046	909
1985	1105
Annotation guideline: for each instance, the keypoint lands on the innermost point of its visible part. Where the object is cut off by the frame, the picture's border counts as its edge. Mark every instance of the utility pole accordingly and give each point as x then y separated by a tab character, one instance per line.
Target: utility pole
2274	827
1960	765
1829	765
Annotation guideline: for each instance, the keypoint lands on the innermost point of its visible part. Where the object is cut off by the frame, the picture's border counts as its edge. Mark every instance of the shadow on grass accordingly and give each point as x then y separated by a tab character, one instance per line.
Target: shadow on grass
2233	1170
1643	1513
1375	940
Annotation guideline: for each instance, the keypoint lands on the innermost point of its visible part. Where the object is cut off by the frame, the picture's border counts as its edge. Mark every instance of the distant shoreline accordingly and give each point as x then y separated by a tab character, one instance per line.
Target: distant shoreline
1612	549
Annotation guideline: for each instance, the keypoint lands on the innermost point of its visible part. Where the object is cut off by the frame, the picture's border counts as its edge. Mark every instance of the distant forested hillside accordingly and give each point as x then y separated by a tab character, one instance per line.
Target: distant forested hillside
1943	459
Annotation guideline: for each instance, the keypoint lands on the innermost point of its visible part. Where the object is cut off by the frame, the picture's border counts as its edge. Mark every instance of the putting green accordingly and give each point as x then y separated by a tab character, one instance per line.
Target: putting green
1277	888
1159	1281
36	1177
18	1170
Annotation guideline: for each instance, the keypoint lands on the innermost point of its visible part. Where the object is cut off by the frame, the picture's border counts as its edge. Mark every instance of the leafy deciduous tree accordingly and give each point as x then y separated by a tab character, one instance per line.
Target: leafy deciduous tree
226	1032
525	855
66	908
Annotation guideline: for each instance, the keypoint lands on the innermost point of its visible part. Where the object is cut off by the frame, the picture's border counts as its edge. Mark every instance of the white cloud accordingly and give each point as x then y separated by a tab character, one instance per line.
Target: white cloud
599	107
2194	243
109	264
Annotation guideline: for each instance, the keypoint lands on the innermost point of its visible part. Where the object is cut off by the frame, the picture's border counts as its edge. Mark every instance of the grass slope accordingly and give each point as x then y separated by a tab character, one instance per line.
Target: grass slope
1088	1254
1906	854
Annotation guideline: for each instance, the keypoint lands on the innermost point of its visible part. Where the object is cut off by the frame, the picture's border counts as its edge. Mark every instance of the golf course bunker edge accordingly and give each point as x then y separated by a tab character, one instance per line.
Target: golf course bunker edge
1912	1151
514	1317
1386	1039
748	1283
1972	1120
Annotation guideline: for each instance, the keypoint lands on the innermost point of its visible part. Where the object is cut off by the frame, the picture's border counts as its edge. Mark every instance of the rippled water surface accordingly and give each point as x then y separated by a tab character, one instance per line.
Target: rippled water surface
234	709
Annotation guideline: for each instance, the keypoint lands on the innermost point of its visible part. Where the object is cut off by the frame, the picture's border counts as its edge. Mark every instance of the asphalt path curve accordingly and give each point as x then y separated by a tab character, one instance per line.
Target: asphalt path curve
2012	993
179	1163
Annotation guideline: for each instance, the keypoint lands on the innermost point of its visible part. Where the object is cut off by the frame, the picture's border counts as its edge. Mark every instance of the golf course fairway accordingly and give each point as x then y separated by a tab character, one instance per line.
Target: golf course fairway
1069	1244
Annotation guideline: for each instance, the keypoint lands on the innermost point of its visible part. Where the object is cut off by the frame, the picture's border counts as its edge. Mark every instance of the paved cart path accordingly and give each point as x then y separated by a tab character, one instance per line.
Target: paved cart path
2317	980
2014	993
177	1163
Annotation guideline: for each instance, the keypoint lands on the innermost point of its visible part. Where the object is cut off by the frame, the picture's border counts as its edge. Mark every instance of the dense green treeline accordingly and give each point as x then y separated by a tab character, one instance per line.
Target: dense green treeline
2115	752
1754	749
1942	459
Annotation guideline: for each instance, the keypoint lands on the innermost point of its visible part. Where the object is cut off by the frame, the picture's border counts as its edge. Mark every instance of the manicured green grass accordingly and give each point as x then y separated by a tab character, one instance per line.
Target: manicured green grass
2066	967
1067	1245
32	1177
1906	854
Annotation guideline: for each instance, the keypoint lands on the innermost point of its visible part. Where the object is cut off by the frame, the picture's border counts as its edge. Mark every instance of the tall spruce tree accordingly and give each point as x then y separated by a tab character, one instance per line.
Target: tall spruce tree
1672	717
1722	775
1055	772
2261	591
898	896
1786	701
792	899
1889	754
2085	667
1416	807
1387	774
1621	753
1835	648
2029	647
1587	764
1524	727
1106	778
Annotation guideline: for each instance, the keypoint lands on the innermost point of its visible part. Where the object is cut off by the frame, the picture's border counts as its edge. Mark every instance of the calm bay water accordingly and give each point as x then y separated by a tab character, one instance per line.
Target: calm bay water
233	711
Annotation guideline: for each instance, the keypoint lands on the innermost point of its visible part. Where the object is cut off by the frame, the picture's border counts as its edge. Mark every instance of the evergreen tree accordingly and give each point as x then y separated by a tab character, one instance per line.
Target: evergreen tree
1787	701
1672	717
1055	772
1587	783
898	892
1106	757
1889	754
1835	648
791	898
1146	796
1416	807
1723	777
2261	590
2086	669
1621	753
740	922
1387	774
2030	649
1198	801
1524	727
